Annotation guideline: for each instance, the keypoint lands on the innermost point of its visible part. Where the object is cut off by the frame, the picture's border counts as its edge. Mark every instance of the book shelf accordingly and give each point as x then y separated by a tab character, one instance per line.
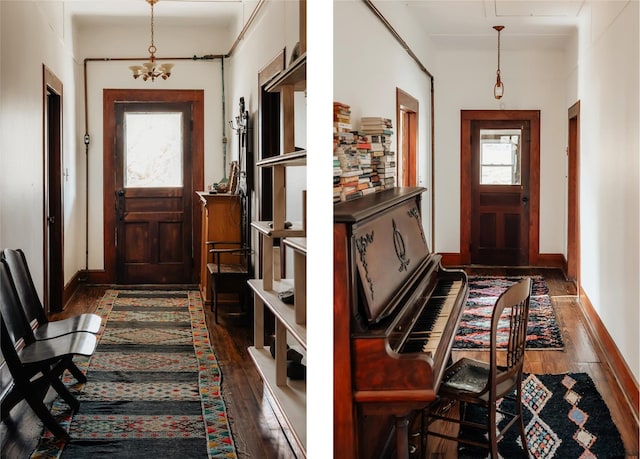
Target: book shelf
286	395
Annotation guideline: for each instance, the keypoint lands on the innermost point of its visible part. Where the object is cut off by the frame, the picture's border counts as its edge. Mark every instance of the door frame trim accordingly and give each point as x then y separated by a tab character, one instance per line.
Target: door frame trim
52	195
406	103
110	97
573	194
466	117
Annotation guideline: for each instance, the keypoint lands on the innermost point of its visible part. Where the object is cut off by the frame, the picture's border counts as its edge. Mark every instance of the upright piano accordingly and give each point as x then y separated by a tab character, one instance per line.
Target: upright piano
396	312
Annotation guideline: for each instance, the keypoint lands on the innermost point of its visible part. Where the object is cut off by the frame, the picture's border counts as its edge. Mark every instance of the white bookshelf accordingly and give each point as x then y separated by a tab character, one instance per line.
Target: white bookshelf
287	396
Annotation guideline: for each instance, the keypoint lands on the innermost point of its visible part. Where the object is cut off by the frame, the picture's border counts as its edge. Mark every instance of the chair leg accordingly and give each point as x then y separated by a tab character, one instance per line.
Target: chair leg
215	305
523	434
67	396
491	430
47	418
77	373
241	300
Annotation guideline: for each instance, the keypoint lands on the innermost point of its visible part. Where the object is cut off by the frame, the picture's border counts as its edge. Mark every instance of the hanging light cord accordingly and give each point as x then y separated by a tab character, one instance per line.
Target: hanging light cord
498	88
152	48
497	71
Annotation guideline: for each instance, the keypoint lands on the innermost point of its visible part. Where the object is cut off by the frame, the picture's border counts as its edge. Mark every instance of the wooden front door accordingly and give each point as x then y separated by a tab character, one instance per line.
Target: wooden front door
151	216
500	192
154	193
500	189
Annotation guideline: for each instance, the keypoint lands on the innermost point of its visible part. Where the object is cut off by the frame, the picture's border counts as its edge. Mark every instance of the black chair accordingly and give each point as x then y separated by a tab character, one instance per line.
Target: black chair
33	308
34	365
483	384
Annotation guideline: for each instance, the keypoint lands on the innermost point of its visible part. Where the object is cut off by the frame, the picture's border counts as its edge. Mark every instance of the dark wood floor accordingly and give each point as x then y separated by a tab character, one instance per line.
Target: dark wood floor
254	426
255	429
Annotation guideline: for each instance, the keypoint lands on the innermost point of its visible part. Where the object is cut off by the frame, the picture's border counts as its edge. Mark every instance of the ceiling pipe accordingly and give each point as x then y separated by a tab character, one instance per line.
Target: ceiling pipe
409	51
248	24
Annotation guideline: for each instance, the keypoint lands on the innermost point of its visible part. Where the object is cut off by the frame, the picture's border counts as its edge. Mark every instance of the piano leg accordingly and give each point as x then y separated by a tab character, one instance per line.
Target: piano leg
402	437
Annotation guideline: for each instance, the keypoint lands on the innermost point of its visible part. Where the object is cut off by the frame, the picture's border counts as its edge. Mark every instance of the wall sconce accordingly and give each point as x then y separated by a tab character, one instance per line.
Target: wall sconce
498	88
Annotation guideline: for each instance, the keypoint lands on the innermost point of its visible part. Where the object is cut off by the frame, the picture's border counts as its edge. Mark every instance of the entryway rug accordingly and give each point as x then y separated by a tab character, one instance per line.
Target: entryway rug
153	388
473	332
565	418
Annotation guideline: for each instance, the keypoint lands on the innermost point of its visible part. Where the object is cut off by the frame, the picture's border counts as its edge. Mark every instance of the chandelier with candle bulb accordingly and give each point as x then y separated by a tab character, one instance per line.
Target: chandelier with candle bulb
151	69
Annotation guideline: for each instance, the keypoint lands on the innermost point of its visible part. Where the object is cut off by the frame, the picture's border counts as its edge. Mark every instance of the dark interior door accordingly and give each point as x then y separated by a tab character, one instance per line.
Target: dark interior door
500	192
154	190
53	294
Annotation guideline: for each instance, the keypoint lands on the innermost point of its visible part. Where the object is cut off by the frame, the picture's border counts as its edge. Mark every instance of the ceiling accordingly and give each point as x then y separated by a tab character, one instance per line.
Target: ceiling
217	13
469	23
449	23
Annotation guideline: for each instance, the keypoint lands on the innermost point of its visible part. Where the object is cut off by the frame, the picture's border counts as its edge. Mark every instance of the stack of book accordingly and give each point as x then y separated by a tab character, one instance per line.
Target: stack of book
377	133
346	167
341	118
363	161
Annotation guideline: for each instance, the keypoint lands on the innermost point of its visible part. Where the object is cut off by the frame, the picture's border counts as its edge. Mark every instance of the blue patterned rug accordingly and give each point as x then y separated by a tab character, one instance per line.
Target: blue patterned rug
473	332
153	388
565	418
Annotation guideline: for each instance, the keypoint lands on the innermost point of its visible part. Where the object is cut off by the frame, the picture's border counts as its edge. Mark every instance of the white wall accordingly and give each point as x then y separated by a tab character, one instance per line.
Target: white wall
607	85
119	41
368	67
533	81
33	34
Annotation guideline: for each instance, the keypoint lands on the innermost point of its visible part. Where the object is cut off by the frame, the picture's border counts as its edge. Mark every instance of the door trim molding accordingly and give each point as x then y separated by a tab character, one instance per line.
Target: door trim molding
408	104
52	193
466	117
110	97
573	194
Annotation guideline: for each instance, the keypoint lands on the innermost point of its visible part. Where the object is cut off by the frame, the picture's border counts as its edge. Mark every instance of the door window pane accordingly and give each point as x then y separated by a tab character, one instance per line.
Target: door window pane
153	150
500	156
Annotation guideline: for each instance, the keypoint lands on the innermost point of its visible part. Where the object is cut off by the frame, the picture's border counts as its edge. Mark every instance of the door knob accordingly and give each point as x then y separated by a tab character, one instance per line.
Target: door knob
525	199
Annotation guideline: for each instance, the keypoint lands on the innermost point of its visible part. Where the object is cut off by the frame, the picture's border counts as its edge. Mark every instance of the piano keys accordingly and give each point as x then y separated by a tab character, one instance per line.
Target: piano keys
430	324
396	311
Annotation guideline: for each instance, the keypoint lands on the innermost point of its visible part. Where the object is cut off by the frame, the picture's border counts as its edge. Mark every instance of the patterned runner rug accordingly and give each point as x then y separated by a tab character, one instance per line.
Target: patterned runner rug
473	333
153	386
564	417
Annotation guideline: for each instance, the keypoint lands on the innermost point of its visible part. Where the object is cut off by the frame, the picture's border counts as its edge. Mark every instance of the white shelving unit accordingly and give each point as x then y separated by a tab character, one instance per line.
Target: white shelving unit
288	397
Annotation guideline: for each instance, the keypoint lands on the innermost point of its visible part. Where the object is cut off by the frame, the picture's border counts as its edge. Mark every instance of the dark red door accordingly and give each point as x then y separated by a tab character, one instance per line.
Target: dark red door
154	192
500	192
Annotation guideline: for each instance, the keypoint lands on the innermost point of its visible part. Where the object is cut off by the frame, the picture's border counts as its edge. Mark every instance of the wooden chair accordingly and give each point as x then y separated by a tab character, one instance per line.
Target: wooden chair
230	276
480	383
230	265
33	309
34	365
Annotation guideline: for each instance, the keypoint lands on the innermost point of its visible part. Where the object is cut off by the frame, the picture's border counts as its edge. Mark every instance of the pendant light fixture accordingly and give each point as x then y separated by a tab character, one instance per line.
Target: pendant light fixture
498	88
151	70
